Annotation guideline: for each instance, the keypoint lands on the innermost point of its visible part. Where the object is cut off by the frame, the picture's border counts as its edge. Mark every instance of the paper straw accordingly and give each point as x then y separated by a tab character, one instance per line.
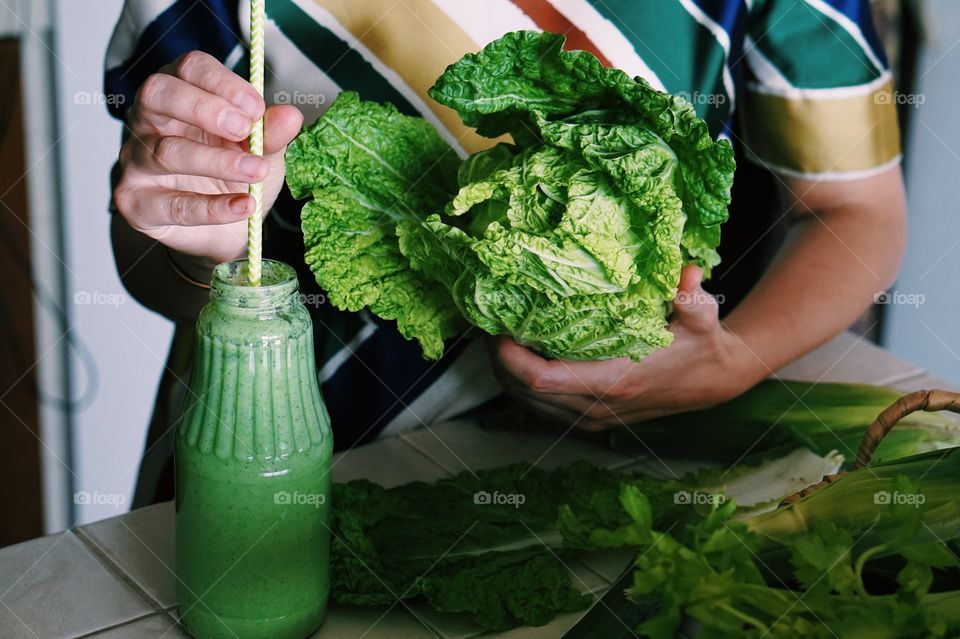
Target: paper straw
255	223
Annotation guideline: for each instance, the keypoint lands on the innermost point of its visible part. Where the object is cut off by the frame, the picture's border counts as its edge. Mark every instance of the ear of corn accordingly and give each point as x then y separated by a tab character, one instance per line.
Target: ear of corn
775	417
868	502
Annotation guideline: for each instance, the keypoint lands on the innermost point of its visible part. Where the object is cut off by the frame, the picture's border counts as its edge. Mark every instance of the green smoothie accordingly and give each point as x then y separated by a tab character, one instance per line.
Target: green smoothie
252	466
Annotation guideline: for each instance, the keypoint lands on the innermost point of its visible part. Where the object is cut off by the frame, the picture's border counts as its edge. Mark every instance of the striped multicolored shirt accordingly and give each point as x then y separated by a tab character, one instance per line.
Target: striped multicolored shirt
807	79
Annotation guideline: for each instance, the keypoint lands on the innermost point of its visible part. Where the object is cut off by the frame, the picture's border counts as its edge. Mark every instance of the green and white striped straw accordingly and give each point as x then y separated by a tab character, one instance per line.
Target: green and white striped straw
255	223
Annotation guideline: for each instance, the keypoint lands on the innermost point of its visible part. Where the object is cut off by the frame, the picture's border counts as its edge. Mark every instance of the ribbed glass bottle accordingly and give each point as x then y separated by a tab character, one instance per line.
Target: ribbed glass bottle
252	463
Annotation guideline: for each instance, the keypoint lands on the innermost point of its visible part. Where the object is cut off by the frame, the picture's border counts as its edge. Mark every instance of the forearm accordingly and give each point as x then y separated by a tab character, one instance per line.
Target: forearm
149	277
834	261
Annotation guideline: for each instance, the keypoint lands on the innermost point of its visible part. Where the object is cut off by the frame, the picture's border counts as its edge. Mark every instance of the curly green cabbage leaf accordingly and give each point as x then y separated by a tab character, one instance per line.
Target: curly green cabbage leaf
366	167
570	239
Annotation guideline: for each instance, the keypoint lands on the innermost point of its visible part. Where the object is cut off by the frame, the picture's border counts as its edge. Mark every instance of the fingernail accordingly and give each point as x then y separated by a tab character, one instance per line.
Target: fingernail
235	123
248	103
240	205
251	165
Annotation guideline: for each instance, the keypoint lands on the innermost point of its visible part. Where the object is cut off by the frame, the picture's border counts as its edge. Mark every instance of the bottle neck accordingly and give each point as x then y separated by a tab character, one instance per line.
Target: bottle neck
254	392
230	291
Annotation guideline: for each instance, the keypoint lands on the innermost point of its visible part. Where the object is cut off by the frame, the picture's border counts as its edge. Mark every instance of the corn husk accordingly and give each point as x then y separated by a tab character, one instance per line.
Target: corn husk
864	502
776	417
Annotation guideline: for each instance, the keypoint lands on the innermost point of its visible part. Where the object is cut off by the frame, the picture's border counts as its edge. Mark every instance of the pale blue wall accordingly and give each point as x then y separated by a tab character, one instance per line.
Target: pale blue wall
929	334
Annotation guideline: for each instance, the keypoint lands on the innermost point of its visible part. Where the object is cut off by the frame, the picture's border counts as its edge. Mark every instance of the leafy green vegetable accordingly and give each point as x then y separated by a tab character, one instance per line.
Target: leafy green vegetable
650	143
712	573
571	239
860	557
368	167
466	546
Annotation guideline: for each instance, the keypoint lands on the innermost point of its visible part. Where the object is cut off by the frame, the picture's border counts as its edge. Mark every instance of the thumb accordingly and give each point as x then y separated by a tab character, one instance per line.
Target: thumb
693	307
281	124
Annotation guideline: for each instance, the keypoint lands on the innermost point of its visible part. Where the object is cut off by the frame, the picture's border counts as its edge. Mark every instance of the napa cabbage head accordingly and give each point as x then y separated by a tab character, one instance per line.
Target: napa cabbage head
570	238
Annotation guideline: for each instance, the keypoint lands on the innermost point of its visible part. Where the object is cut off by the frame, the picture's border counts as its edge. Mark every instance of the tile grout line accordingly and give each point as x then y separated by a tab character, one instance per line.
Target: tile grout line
450	472
602	590
107	562
895	379
906	376
115	626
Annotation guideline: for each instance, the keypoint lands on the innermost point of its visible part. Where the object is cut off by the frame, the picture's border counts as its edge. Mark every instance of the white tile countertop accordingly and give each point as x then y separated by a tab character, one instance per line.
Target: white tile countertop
113	579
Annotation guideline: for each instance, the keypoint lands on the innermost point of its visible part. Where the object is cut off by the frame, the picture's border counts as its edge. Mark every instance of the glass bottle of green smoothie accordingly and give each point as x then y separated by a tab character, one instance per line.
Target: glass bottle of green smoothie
252	463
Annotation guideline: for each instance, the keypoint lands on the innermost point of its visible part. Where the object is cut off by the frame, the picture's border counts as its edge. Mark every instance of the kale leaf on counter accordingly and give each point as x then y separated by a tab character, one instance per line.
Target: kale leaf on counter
466	545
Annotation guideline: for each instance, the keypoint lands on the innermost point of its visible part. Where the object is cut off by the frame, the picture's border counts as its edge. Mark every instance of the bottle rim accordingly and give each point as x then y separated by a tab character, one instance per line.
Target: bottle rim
278	283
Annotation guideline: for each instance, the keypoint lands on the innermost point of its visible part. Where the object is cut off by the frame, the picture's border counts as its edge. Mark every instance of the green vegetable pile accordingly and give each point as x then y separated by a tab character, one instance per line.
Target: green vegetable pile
802	571
840	562
500	563
570	239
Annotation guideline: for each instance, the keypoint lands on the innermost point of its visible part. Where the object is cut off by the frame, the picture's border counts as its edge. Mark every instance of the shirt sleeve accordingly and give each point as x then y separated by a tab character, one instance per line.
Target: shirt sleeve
819	101
152	33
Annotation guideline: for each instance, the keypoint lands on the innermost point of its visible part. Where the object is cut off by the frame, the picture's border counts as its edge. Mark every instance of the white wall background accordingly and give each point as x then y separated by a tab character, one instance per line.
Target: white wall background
929	333
128	343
